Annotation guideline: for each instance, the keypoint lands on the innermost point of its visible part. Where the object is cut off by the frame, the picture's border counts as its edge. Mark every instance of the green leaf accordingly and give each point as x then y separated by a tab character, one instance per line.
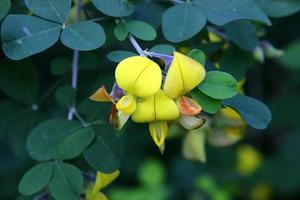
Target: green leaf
237	62
219	85
4	8
141	30
198	55
242	33
66	183
36	178
105	154
23	35
118	56
121	31
60	66
58	139
10	114
65	96
114	8
19	81
56	10
221	12
163	48
291	58
83	36
207	103
279	8
251	110
181	22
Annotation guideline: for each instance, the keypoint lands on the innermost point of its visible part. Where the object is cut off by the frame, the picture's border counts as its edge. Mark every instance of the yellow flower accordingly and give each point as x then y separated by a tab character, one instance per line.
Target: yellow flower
102	180
183	75
248	159
139	77
157	110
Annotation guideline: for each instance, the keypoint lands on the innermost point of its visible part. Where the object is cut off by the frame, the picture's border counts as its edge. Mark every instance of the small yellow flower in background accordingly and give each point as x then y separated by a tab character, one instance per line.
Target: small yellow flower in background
183	75
248	160
102	180
137	76
261	191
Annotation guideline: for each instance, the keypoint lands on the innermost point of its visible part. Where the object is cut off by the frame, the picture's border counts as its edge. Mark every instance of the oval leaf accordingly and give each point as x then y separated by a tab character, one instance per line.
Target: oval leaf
221	12
219	85
190	22
36	178
4	8
55	10
66	183
207	103
114	8
253	111
121	31
141	30
65	96
58	139
118	56
83	36
105	154
23	35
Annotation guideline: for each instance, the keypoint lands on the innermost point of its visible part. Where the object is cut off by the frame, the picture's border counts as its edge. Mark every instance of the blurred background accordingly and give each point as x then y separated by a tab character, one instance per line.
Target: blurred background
258	165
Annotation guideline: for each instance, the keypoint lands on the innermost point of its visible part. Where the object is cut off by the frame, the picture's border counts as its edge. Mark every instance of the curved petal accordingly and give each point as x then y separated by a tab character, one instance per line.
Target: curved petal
158	131
183	76
139	76
102	180
158	107
188	106
101	95
127	104
191	122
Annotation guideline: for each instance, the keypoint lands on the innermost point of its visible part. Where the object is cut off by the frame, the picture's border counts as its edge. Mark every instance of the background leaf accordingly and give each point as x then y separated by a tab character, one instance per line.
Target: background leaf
65	96
118	56
114	8
56	10
141	30
20	82
83	36
66	183
58	139
242	33
4	8
23	35
121	31
163	48
221	12
106	152
253	111
279	8
36	178
178	29
291	58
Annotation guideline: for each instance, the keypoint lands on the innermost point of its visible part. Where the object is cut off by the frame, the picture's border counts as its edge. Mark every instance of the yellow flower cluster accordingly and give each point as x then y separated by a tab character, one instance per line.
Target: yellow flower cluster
150	99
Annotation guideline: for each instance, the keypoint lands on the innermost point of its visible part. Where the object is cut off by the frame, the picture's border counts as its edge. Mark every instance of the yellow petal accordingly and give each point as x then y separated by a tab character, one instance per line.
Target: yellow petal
184	75
158	107
97	196
248	159
231	114
139	76
194	146
101	95
158	131
188	106
102	180
127	104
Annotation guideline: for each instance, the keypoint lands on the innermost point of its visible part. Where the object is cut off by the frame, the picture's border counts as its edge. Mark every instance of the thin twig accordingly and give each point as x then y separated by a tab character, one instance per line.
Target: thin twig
75	63
136	45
